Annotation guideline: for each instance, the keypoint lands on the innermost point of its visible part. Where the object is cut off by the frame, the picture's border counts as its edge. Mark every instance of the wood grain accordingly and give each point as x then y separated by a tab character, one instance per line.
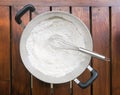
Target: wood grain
115	50
83	14
61	89
4	87
40	10
64	9
20	76
103	44
4	43
39	87
101	38
62	2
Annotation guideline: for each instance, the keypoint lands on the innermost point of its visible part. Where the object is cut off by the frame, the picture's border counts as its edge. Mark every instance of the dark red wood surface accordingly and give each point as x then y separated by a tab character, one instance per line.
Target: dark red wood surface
62	2
104	25
20	75
5	87
40	88
4	43
115	50
83	14
4	51
101	41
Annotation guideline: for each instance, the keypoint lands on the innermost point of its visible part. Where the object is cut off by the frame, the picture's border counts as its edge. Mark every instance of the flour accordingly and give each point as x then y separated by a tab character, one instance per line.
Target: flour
48	60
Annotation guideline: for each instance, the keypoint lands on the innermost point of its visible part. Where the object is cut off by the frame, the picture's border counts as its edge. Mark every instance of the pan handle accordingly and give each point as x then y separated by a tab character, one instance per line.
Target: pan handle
22	11
90	81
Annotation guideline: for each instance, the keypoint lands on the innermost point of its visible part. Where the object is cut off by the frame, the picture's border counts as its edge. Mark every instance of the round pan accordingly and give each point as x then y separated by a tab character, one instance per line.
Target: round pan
24	54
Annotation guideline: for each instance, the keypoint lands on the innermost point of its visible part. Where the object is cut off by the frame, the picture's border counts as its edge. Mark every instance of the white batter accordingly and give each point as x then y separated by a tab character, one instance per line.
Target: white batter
51	61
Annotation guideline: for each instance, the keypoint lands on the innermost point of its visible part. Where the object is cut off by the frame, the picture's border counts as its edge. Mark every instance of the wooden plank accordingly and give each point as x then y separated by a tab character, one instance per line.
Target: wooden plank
115	50
101	41
64	9
40	10
83	14
20	76
39	87
61	89
62	2
4	88
4	43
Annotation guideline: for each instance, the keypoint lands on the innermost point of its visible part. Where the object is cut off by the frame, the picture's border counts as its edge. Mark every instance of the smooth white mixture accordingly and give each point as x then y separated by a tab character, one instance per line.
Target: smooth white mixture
51	61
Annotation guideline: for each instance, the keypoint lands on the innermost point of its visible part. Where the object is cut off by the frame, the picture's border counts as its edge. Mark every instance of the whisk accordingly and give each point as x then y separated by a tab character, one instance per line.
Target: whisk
57	42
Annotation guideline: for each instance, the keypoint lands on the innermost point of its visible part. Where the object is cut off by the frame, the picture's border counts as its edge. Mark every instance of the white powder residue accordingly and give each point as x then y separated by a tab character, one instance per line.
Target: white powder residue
48	60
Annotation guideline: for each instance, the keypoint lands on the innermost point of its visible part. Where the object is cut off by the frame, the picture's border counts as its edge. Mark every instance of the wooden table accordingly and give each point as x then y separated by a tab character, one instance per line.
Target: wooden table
102	17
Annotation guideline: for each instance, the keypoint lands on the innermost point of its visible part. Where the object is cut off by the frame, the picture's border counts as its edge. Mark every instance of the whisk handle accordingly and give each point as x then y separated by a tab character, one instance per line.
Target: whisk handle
93	54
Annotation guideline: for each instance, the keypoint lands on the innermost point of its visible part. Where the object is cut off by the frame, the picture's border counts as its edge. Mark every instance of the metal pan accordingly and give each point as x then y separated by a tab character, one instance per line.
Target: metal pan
37	73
